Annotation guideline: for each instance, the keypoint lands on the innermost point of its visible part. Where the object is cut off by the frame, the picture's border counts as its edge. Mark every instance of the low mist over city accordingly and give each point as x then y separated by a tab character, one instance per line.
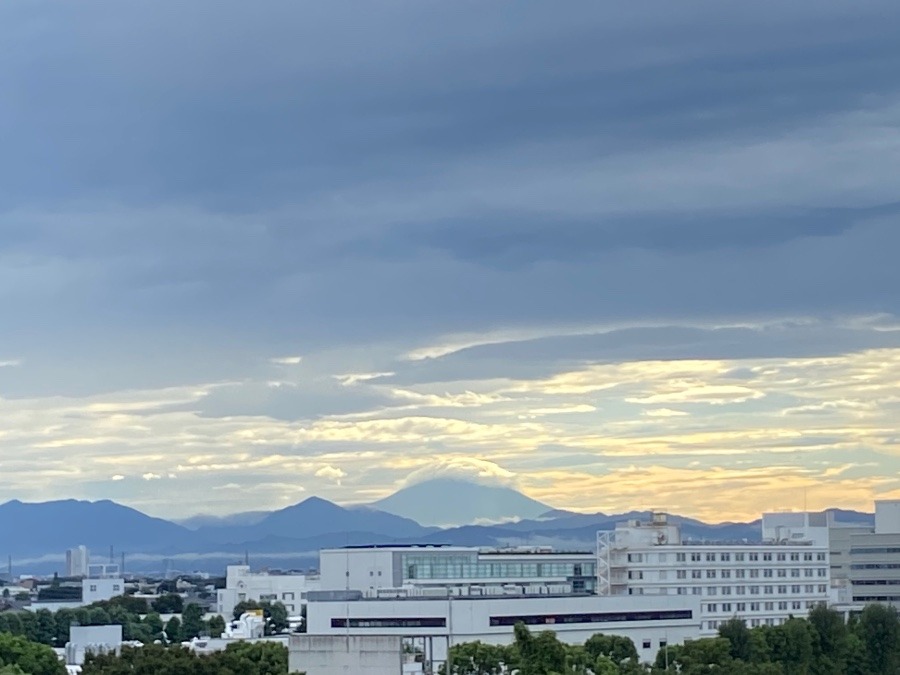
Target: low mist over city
483	280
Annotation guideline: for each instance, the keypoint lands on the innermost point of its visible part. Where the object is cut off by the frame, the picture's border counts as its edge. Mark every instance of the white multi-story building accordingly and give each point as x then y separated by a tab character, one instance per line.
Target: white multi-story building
95	590
243	585
764	584
77	561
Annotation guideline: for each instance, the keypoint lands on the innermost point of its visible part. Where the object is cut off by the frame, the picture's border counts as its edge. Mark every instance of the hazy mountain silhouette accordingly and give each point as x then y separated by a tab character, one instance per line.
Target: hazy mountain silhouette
40	533
53	527
453	501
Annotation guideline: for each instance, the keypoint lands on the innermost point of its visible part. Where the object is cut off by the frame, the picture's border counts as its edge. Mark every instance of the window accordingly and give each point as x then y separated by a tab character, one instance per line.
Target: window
767	573
726	590
754	590
739	557
682	590
712	607
696	574
647	644
754	557
820	557
711	590
115	588
795	604
808	557
823	588
695	557
740	574
795	557
696	590
781	557
680	557
742	607
768	590
725	557
754	574
710	557
754	606
767	557
287	596
394	622
809	588
782	605
740	590
663	643
726	574
93	588
782	574
726	606
770	606
681	574
635	557
663	558
710	574
795	588
549	619
782	590
795	573
807	572
821	572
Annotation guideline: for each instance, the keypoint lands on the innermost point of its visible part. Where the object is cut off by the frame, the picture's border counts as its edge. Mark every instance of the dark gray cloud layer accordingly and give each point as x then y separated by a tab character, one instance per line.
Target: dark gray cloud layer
187	190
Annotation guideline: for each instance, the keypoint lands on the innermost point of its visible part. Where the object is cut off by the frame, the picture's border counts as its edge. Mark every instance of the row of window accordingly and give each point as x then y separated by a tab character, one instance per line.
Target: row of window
784	589
392	622
863	550
759	606
876	566
876	598
767	573
754	623
593	617
754	556
457	567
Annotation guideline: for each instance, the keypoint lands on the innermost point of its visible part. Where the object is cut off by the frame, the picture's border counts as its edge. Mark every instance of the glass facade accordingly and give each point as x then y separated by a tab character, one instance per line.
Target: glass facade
471	567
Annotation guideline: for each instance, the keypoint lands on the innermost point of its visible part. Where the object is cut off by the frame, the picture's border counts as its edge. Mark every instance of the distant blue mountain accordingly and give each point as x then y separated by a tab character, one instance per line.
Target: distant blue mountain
448	502
33	529
291	537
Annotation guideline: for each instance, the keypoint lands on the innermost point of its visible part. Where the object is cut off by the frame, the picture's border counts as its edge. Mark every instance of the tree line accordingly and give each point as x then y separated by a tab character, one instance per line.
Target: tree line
52	628
820	644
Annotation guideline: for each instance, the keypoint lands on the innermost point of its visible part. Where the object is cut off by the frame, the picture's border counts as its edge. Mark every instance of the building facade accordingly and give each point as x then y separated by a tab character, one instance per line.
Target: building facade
865	561
243	585
528	569
77	561
96	590
651	622
764	584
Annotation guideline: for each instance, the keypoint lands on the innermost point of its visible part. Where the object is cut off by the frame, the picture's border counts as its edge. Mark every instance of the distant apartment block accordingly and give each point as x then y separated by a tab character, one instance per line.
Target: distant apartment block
77	561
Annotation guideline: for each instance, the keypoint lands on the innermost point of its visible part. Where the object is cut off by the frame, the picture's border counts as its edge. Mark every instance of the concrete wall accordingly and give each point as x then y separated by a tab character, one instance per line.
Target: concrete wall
887	516
95	590
342	655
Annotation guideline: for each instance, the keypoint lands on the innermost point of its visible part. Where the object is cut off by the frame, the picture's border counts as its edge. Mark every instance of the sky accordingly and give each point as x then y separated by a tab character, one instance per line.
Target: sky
614	255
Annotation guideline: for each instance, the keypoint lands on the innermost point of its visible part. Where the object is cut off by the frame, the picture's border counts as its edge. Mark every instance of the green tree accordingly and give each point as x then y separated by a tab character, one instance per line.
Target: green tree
738	635
879	630
31	657
173	630
830	641
192	622
542	654
616	647
154	624
477	658
216	625
170	603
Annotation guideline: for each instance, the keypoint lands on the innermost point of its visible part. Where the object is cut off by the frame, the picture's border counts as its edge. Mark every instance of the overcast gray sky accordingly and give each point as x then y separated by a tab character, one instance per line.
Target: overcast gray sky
617	255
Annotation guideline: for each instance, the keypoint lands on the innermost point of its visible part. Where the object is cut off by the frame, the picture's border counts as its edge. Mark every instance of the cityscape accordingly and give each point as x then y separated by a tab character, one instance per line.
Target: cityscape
449	337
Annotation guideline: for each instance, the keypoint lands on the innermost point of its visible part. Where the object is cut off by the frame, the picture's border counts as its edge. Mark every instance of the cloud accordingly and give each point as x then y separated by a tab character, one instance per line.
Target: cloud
287	360
117	476
593	244
468	468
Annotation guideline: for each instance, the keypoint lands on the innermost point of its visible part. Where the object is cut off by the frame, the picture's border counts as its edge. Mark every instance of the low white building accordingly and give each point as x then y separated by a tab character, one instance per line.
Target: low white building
243	585
650	622
96	590
764	584
84	640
